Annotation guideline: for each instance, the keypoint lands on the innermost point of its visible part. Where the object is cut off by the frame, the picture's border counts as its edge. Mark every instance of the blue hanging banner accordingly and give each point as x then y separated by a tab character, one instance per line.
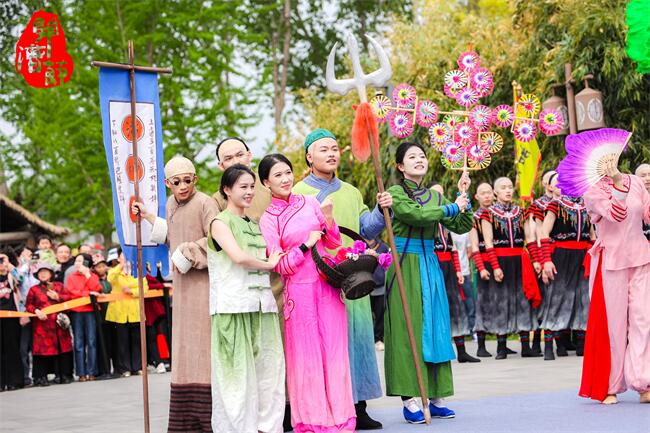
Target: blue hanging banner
115	103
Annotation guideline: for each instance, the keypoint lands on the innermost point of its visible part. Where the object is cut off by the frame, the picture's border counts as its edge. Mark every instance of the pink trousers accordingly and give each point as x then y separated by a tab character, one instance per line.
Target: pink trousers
627	300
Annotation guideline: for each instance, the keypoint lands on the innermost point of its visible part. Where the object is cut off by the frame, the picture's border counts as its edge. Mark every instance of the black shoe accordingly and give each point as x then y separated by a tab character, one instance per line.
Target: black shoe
66	380
364	422
482	351
42	382
509	351
536	345
561	350
502	350
527	352
548	351
466	357
580	348
567	343
57	380
286	423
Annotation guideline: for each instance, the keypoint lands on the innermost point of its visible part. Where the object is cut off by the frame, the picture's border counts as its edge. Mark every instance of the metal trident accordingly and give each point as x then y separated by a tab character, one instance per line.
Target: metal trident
360	80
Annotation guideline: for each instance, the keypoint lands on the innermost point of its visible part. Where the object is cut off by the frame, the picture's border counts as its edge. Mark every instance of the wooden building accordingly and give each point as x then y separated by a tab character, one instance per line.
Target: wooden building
18	226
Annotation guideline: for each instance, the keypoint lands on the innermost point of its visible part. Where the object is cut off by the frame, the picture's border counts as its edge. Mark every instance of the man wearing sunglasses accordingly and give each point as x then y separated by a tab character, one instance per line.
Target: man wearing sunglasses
189	213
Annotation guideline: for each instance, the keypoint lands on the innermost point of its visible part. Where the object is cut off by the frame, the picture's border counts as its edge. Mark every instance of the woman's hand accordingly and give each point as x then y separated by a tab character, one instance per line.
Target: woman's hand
549	272
53	295
462	202
460	277
498	275
384	199
314	237
464	182
611	170
40	314
127	290
274	257
485	274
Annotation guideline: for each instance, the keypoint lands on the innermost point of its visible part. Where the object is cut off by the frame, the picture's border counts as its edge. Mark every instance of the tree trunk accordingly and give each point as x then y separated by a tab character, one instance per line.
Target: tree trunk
280	73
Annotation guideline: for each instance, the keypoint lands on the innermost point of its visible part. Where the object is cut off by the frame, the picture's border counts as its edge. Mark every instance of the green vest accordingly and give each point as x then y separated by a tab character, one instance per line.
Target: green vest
233	288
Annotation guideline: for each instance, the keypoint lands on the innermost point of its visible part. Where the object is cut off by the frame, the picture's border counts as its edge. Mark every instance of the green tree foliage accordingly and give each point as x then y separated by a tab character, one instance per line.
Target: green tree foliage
526	40
590	36
56	161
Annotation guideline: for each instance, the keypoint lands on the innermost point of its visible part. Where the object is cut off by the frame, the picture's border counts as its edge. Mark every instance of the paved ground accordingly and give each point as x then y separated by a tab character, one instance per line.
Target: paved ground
515	395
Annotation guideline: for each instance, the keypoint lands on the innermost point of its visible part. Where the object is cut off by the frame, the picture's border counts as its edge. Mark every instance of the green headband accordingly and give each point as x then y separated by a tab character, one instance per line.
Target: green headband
316	135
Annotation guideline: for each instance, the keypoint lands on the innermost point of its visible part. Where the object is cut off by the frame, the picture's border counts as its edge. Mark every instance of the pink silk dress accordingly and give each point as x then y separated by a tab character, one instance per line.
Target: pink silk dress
316	344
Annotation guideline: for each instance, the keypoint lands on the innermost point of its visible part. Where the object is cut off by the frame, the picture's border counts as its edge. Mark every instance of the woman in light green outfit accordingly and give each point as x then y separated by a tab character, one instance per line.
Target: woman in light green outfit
248	391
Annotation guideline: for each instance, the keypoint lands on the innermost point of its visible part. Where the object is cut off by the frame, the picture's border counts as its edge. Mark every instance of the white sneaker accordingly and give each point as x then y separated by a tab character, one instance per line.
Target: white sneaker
160	369
151	369
379	346
126	374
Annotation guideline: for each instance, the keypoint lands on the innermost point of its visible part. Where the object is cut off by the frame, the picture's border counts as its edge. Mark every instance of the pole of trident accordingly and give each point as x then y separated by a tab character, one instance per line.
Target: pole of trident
132	67
359	82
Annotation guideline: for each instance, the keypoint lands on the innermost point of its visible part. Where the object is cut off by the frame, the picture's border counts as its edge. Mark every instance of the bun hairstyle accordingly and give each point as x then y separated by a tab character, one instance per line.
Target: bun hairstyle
400	153
267	163
230	177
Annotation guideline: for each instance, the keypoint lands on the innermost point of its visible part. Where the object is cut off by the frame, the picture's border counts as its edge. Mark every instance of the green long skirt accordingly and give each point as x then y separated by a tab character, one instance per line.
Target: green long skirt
398	362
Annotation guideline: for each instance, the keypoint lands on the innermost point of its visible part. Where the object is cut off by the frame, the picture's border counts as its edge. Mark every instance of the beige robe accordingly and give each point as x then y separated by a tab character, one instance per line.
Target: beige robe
187	230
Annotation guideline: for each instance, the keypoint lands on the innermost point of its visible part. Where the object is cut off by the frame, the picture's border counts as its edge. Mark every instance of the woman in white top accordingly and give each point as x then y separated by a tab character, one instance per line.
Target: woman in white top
248	391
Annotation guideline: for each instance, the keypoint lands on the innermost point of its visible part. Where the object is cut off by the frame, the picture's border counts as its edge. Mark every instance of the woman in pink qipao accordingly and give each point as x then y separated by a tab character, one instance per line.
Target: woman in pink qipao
318	370
617	349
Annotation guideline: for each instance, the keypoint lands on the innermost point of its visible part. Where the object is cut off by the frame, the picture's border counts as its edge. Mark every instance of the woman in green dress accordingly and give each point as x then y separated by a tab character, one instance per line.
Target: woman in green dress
417	210
247	357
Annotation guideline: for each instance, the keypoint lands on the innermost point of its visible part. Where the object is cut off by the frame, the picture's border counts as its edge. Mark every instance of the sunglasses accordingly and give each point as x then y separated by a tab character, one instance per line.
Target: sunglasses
187	181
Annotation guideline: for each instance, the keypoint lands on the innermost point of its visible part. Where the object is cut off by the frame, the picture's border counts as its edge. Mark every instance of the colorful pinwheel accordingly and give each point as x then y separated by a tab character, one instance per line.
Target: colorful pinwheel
524	130
401	123
503	116
551	121
426	113
404	96
380	106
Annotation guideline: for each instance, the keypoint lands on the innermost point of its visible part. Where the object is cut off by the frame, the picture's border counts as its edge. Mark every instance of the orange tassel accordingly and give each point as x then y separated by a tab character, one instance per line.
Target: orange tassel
364	124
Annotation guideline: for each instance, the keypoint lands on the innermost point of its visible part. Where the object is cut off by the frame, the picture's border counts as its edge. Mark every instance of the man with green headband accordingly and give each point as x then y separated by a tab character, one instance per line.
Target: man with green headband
323	156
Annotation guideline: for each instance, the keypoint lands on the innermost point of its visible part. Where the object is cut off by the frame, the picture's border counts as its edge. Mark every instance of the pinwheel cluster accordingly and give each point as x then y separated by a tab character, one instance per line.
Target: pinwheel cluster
464	136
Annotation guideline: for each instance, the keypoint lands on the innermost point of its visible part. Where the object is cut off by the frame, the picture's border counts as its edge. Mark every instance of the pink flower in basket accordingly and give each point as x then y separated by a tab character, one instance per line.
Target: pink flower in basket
341	255
385	260
359	247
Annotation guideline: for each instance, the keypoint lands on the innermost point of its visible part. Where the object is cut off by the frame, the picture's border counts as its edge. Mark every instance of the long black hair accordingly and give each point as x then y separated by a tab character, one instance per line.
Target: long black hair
400	153
267	163
231	175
